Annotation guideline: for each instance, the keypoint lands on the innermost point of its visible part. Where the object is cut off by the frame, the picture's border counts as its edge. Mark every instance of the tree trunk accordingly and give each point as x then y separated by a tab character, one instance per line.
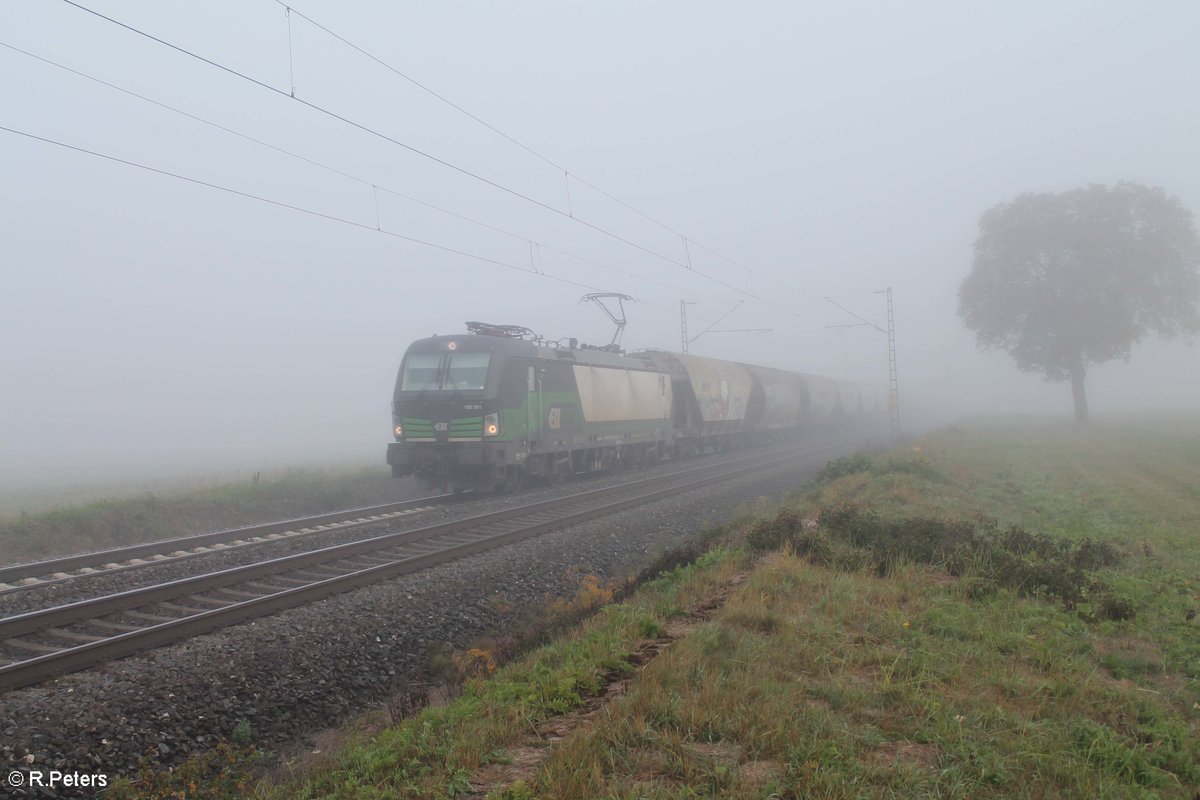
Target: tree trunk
1078	374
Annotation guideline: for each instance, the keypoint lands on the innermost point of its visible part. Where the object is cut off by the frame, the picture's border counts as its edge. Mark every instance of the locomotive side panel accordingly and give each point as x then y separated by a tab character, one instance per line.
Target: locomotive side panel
560	421
609	395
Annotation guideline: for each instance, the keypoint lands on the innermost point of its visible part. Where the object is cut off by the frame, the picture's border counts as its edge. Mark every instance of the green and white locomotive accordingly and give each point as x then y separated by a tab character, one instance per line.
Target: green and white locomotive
498	407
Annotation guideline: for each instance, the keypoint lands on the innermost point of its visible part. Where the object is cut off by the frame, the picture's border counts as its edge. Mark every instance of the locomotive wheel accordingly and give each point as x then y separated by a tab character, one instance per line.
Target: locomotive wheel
514	480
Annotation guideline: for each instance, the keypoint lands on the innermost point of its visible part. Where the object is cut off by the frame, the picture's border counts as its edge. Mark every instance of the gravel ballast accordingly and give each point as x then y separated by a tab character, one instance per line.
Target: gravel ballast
87	587
305	669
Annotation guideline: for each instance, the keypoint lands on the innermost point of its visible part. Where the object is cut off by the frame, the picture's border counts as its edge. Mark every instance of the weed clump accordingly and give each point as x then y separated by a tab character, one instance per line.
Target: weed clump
226	771
675	558
1030	563
772	533
242	735
813	543
843	466
918	466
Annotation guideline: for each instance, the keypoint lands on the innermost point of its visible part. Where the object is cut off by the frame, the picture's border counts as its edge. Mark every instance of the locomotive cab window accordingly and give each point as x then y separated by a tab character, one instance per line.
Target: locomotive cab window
454	372
421	372
467	371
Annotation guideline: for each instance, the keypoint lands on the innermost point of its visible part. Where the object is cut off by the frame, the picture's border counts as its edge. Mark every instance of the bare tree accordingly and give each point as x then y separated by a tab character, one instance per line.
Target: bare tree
1065	280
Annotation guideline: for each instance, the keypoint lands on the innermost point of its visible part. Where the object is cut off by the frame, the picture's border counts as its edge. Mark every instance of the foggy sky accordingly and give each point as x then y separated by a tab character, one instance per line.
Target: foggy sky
154	325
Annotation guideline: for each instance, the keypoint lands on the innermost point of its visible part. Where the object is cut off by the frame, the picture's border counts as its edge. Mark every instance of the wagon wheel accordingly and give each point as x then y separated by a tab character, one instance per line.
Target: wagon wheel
553	474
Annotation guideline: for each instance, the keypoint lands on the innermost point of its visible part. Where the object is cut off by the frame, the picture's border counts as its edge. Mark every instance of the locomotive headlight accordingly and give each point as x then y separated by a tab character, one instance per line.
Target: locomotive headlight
491	425
399	431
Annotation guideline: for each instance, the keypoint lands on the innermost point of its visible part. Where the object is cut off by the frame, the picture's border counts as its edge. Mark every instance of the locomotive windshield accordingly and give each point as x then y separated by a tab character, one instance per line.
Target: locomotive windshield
422	371
467	371
451	371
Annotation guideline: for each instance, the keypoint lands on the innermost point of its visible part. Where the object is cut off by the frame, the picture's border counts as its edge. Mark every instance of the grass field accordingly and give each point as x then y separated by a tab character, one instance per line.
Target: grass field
97	524
878	636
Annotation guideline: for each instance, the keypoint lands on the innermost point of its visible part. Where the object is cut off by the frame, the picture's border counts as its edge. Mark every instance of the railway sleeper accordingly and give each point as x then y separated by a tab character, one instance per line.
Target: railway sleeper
360	563
186	611
313	576
115	627
479	536
291	581
500	527
213	602
343	566
412	551
316	572
440	544
153	619
372	561
31	647
72	636
240	595
265	589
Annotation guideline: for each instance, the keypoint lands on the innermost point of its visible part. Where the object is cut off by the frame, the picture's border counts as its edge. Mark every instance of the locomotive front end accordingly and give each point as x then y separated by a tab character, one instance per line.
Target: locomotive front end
448	423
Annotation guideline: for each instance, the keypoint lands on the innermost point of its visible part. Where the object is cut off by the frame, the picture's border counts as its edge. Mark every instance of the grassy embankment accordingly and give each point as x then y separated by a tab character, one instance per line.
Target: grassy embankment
902	647
105	523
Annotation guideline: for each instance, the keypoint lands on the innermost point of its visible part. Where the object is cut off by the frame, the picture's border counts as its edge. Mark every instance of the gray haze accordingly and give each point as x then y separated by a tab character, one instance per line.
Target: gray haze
152	326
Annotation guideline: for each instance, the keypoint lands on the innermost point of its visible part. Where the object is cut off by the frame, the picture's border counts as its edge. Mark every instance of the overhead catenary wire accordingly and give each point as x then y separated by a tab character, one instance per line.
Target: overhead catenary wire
417	151
313	106
310	212
279	203
862	320
568	174
375	187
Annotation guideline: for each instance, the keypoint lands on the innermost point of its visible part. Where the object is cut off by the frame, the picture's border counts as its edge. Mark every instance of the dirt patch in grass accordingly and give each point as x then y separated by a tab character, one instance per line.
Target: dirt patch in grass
1133	661
756	775
519	762
891	754
724	753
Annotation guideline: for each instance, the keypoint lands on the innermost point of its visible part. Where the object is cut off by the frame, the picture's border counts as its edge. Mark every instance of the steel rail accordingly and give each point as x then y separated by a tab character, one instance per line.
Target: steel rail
563	512
163	551
29	622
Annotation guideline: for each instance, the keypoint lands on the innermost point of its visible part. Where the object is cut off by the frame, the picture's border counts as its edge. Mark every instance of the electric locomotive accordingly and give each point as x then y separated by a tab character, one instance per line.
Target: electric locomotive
499	406
494	408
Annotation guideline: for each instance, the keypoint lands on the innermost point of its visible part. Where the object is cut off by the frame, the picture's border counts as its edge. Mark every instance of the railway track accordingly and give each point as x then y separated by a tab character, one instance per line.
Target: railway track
19	577
41	644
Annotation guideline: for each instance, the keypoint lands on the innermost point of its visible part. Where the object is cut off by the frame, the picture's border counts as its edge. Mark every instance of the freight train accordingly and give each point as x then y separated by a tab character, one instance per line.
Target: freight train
499	407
